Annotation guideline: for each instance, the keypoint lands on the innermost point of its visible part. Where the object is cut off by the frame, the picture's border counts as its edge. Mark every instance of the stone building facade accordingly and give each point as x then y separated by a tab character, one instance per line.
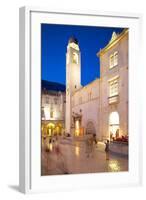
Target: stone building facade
101	107
114	86
53	108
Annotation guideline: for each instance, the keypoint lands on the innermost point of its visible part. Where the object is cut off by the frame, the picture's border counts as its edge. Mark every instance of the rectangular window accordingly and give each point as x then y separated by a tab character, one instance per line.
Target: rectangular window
51	114
113	60
113	88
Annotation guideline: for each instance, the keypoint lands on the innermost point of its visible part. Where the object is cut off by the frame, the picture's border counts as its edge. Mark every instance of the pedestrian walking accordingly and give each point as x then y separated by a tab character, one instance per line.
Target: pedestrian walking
89	146
107	149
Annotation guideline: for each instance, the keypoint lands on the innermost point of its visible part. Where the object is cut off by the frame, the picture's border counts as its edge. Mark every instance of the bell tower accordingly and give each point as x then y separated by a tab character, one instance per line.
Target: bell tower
73	77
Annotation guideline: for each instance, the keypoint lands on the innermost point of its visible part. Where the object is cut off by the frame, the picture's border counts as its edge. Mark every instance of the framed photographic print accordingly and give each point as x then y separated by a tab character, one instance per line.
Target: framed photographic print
79	110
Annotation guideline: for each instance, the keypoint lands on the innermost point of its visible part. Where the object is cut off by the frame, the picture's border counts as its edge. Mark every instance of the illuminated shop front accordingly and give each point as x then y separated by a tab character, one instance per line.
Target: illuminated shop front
52	129
114	125
52	109
77	127
79	131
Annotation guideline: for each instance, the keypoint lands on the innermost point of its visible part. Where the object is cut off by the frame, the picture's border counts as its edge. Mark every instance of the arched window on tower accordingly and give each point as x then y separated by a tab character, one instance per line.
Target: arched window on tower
75	58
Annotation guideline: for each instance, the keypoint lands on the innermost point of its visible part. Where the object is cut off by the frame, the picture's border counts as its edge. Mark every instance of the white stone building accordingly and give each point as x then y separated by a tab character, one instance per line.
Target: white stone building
101	107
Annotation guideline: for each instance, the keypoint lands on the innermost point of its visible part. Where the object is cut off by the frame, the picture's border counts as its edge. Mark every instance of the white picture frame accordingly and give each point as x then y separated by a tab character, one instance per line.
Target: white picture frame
30	73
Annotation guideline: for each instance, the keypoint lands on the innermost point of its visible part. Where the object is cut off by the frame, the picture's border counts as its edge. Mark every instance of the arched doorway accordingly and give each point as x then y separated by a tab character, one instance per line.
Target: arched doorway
58	129
54	129
90	128
50	129
44	130
114	125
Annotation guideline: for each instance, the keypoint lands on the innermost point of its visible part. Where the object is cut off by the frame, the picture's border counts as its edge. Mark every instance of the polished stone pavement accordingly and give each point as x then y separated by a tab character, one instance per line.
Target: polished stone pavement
73	157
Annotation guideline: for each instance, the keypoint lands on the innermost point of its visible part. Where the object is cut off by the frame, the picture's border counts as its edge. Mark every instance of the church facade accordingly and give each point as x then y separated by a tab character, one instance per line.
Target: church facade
101	107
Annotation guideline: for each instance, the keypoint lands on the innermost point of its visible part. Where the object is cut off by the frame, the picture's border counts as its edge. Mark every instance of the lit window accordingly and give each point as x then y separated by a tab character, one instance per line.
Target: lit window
113	88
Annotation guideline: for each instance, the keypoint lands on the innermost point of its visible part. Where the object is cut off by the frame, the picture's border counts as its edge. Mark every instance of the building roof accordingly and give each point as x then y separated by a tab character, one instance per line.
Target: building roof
114	39
52	86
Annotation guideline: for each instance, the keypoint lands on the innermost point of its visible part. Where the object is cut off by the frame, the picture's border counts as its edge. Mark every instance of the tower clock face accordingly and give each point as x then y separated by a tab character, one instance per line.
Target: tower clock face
75	58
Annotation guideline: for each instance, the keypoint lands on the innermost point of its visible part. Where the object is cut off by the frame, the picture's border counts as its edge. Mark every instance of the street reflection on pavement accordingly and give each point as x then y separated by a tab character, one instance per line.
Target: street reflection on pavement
65	156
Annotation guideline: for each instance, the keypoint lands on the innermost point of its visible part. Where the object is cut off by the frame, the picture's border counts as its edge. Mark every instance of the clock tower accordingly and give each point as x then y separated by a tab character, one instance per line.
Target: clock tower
73	77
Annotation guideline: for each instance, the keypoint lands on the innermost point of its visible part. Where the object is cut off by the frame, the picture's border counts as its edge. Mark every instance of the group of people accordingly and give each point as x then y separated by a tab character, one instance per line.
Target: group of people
91	143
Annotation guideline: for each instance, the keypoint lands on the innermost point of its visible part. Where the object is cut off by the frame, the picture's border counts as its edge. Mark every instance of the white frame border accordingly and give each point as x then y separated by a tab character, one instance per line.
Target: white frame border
25	142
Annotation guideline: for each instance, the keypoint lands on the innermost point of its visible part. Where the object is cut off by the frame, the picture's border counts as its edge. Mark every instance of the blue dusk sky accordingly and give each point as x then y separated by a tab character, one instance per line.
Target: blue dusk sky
54	40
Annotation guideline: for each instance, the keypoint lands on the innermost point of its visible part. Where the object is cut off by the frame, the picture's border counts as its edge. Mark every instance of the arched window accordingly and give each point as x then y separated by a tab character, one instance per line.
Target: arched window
75	58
